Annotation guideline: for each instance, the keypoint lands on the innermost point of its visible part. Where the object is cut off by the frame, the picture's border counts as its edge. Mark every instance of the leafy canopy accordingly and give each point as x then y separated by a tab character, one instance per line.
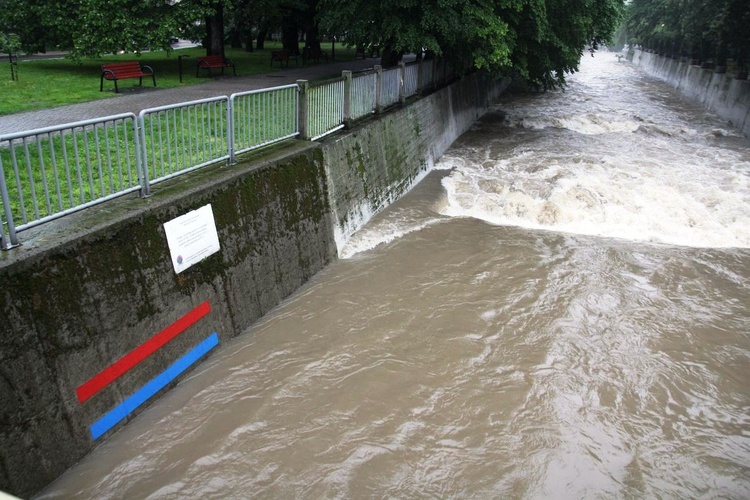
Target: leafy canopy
541	40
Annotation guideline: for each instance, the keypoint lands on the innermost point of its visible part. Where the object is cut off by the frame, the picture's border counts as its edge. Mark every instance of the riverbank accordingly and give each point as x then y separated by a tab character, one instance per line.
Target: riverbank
720	93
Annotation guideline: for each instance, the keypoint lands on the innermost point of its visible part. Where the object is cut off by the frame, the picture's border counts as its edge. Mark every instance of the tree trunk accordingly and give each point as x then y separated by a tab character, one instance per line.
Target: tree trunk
236	40
249	43
290	35
262	34
215	31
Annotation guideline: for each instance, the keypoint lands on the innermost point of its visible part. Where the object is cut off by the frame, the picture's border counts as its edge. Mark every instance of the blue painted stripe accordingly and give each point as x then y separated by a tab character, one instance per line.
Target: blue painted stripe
122	410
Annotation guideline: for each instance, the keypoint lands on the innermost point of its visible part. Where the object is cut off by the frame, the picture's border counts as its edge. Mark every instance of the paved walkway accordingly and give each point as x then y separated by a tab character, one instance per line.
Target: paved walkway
150	97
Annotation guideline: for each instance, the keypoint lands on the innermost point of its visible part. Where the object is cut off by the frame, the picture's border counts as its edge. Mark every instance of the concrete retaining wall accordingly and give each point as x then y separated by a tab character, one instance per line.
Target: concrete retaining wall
372	166
720	93
82	292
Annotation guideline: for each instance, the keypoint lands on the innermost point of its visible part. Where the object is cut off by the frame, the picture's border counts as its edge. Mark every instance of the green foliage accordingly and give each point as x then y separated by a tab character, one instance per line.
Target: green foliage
701	29
10	43
541	40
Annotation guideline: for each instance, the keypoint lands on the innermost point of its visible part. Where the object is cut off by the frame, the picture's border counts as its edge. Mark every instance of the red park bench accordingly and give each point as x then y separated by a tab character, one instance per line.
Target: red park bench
214	62
123	70
283	57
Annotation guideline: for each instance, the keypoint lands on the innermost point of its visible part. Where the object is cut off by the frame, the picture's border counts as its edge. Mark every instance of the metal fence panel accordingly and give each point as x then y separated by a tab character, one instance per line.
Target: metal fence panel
325	108
363	95
262	117
179	138
391	83
410	79
54	171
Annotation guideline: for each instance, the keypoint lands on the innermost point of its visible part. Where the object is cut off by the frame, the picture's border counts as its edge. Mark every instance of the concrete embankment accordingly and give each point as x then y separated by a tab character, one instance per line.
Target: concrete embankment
720	93
96	292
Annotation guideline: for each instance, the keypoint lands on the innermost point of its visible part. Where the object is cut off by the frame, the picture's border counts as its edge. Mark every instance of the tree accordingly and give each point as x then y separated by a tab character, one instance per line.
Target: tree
541	40
707	30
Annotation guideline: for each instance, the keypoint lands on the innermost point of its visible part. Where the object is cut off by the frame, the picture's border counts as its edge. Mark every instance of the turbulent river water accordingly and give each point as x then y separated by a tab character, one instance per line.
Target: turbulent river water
560	310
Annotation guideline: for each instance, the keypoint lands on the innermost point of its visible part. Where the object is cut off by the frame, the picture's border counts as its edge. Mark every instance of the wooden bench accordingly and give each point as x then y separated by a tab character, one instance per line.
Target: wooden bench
283	57
214	62
313	54
122	70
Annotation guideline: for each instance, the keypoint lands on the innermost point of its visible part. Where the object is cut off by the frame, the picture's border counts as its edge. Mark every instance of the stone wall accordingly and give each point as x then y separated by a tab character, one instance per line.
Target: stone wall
720	93
84	291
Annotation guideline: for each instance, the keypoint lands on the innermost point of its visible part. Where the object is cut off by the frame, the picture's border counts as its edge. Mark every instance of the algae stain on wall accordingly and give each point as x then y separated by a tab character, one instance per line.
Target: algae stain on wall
374	164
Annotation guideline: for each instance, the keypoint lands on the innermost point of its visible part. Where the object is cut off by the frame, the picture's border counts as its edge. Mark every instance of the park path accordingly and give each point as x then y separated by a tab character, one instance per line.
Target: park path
149	97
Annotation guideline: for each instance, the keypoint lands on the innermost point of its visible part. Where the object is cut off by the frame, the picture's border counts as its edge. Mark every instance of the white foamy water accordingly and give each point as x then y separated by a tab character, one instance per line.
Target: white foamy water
606	164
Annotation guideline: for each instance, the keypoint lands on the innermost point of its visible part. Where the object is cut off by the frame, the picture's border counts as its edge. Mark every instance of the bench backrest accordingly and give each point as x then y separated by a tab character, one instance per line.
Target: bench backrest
218	59
123	68
280	54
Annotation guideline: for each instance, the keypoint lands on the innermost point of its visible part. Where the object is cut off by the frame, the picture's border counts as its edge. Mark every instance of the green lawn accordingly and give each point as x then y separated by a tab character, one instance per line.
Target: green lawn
55	82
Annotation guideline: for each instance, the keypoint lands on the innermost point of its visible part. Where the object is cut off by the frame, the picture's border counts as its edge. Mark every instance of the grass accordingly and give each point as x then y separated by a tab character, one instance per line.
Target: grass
56	82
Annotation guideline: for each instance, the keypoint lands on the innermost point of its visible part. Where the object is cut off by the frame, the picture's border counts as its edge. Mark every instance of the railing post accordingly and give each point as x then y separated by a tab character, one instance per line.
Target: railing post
141	162
6	243
378	89
347	75
402	84
230	131
302	111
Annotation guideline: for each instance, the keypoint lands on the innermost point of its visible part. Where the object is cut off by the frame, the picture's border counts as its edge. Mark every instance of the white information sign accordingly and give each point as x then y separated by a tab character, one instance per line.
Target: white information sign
192	237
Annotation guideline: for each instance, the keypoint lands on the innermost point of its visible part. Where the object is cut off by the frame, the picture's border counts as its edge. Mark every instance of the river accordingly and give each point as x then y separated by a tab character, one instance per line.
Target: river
561	309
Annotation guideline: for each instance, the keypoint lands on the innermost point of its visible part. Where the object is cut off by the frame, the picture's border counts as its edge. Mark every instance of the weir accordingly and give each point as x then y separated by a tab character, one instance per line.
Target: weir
97	324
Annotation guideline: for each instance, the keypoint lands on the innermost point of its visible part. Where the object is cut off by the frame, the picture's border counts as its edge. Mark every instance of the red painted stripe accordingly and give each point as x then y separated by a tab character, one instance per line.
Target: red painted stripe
122	365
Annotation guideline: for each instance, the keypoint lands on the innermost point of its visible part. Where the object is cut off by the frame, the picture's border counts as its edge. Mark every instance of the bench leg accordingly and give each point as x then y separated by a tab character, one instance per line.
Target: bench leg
101	84
154	78
117	91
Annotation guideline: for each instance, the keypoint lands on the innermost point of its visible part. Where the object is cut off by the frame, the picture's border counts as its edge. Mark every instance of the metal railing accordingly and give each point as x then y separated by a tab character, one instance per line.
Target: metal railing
411	79
325	108
263	117
51	172
363	95
390	87
182	137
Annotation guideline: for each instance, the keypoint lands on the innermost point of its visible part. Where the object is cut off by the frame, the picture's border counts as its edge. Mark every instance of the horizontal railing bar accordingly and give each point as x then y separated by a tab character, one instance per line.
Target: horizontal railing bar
327	82
65	126
261	91
327	132
182	105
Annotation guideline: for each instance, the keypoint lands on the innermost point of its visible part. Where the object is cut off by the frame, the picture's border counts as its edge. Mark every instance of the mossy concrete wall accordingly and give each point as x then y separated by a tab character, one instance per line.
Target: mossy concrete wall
80	296
83	291
372	165
720	93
